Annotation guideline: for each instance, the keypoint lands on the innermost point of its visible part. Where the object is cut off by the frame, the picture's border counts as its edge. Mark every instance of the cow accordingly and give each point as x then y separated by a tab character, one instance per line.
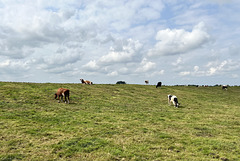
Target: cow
159	84
224	87
147	81
174	100
62	92
86	81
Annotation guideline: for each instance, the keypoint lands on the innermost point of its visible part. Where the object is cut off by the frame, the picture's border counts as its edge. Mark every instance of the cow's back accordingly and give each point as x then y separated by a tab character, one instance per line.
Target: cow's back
66	92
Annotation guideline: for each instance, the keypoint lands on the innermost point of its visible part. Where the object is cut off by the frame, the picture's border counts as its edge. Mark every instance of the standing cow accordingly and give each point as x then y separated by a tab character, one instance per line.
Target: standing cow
159	84
86	81
147	82
224	87
174	100
62	92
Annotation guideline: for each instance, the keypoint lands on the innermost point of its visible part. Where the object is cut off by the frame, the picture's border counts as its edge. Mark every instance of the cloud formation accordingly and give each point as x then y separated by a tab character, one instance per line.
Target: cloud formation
119	60
179	41
214	68
169	41
125	54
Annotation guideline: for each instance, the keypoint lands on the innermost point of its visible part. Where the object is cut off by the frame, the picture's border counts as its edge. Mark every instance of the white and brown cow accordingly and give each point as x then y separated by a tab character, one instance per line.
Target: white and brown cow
174	100
86	81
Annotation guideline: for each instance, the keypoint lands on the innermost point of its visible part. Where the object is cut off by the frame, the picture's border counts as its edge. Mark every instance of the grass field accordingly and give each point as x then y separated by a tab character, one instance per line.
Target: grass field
118	122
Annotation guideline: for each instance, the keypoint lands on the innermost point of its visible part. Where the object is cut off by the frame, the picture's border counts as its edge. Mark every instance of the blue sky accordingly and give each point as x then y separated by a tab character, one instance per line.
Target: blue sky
173	41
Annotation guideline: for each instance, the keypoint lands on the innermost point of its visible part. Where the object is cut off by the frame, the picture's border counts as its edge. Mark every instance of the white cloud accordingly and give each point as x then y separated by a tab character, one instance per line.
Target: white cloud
226	67
14	66
48	39
126	54
115	73
92	65
222	67
184	73
145	66
177	62
218	68
157	73
196	68
120	59
123	70
179	41
59	60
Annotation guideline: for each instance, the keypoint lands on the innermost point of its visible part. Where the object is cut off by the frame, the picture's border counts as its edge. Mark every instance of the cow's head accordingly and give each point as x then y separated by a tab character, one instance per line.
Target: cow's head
55	95
177	105
82	80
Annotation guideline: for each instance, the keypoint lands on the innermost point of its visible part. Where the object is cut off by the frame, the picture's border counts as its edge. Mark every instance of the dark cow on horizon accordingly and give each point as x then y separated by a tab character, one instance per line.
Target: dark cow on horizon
147	81
159	84
224	87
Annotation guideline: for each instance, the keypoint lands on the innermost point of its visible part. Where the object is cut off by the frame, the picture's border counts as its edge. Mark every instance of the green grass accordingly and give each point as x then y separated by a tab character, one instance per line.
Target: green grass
118	122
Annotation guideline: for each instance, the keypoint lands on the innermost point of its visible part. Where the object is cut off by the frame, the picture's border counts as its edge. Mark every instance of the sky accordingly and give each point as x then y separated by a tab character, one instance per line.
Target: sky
105	41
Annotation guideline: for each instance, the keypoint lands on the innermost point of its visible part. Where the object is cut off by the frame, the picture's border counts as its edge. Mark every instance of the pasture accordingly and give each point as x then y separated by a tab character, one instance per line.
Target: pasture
118	122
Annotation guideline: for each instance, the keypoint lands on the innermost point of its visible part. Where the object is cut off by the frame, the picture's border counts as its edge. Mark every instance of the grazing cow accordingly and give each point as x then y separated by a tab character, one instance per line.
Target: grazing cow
174	100
224	87
62	92
86	81
147	81
159	84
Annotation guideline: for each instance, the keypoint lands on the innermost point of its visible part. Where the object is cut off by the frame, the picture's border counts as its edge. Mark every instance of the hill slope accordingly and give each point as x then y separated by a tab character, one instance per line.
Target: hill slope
118	122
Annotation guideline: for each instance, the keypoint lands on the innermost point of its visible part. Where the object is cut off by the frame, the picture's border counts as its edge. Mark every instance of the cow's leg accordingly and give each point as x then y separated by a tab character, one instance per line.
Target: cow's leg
68	98
65	96
59	98
175	104
62	96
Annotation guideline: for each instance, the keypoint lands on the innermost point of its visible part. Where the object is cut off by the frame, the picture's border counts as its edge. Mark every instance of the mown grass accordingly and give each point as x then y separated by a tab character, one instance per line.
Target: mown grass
118	122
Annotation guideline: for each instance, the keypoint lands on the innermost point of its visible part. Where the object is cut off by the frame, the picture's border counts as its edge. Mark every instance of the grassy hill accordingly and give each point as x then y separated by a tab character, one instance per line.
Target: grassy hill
118	122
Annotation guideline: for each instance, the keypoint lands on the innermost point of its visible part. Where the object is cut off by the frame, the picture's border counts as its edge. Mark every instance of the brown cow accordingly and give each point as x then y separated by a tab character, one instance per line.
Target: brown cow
62	92
86	81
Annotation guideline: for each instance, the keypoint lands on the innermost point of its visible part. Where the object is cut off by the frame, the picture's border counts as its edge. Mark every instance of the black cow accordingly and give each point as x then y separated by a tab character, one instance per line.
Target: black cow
224	87
159	84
